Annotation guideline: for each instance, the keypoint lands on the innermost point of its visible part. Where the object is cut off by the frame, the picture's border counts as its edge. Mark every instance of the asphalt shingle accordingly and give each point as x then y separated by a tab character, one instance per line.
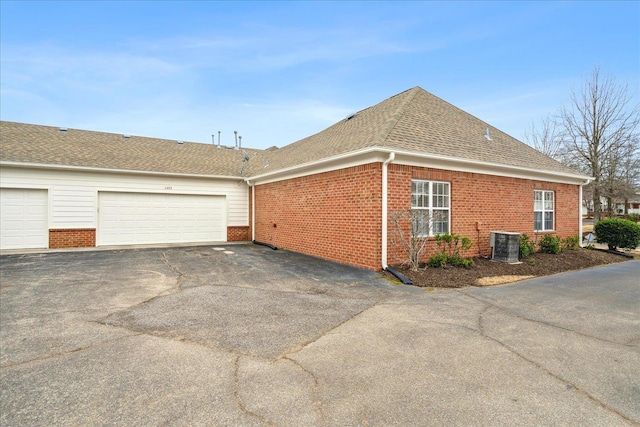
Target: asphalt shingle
25	143
416	121
413	121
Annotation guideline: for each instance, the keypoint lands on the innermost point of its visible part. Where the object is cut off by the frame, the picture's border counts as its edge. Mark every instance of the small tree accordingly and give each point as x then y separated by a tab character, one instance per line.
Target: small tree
411	229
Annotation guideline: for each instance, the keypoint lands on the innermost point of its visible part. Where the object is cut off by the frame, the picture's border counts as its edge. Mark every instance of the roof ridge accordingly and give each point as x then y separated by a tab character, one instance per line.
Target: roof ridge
395	117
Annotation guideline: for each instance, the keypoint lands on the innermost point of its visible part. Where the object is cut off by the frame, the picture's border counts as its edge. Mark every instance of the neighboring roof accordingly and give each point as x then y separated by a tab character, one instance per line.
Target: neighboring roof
46	145
415	121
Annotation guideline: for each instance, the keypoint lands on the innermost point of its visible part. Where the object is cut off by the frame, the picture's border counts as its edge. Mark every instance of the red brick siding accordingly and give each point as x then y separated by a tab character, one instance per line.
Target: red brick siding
238	234
334	215
72	238
337	215
484	203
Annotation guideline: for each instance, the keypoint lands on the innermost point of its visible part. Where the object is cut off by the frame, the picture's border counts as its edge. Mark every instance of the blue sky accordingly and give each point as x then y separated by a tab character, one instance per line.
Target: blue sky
279	71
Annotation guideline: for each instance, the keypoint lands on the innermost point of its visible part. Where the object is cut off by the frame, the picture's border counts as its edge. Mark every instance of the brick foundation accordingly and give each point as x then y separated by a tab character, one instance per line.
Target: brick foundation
72	238
238	234
337	215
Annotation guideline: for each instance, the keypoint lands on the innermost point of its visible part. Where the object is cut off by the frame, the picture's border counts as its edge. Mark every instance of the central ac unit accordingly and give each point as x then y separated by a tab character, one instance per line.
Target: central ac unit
505	245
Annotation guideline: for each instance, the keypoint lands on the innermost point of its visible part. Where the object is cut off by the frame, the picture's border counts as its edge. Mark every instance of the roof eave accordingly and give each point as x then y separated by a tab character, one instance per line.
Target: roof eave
489	168
412	158
113	171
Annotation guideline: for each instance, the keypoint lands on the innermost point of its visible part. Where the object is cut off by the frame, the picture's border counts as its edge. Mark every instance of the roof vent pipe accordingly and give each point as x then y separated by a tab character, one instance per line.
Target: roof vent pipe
486	135
218	139
213	139
235	132
240	141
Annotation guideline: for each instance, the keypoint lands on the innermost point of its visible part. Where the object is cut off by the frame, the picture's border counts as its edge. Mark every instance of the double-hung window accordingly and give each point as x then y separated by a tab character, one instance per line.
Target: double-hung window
430	205
543	210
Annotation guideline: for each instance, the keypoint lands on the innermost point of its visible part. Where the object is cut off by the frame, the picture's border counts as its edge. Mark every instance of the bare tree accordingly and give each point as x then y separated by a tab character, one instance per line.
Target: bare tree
622	168
546	138
598	125
411	229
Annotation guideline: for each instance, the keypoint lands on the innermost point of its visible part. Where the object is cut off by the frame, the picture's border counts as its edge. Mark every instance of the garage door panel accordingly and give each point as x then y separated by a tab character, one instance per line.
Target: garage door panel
141	218
23	218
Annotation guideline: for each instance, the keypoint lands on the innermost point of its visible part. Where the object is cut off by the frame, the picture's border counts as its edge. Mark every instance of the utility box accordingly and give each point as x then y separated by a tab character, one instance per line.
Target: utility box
505	245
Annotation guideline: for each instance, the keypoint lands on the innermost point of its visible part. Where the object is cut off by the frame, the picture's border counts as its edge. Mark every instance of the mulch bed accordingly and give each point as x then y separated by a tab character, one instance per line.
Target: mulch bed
542	265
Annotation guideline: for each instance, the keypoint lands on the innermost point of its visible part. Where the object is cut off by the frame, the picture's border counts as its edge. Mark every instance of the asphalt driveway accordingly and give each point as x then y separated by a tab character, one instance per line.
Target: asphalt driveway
251	336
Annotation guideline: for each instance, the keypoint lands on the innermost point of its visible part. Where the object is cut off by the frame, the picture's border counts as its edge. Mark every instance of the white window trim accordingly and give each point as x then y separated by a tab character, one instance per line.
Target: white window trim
430	208
543	211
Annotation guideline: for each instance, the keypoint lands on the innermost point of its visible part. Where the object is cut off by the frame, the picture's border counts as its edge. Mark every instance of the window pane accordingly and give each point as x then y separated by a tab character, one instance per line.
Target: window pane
548	220
440	221
548	200
537	221
420	223
537	200
419	194
440	195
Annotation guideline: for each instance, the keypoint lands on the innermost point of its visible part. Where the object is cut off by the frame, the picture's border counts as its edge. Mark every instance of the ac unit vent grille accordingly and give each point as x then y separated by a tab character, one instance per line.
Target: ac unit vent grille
506	246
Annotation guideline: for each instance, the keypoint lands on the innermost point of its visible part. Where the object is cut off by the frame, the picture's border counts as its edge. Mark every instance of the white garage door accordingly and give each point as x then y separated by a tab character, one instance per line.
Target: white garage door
23	218
142	218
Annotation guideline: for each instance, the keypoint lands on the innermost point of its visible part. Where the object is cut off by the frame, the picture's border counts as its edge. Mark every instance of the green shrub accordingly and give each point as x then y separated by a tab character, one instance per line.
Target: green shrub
450	246
618	233
635	217
527	246
571	243
550	244
438	260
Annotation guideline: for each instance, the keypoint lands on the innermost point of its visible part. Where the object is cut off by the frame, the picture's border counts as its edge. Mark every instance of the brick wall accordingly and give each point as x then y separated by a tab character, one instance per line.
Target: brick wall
238	234
72	238
484	203
336	215
333	215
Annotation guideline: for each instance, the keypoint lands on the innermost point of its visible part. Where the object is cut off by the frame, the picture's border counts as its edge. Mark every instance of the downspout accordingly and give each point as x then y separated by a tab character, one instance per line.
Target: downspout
580	210
385	164
253	210
253	217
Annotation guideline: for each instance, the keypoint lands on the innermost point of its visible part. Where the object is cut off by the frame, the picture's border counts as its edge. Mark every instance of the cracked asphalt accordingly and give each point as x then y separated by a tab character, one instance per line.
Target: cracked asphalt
252	337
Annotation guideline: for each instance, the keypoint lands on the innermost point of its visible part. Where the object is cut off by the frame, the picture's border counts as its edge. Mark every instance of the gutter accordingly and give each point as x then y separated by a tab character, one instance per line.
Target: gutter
385	165
413	158
113	171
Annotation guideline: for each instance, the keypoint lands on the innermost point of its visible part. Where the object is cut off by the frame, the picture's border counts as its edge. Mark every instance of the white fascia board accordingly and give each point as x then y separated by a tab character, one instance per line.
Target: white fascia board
486	168
341	161
113	171
412	158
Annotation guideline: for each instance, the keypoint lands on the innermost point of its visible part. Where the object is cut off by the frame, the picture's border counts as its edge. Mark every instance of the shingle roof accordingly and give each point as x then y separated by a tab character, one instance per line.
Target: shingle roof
25	143
416	121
